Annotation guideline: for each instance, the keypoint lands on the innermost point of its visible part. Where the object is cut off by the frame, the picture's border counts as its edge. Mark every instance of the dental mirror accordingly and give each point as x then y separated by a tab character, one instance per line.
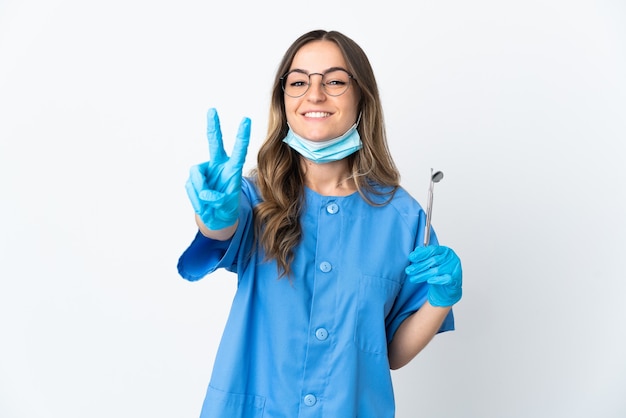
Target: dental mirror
434	178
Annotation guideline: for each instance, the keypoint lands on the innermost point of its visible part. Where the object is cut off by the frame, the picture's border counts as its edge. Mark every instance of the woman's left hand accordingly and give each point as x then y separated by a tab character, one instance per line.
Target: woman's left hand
440	267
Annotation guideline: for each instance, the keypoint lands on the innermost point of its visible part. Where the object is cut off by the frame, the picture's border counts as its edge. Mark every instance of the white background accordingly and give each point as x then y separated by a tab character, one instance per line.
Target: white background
522	105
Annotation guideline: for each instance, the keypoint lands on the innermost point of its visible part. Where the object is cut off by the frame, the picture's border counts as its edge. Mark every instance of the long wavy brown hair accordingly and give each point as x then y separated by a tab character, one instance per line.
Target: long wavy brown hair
279	175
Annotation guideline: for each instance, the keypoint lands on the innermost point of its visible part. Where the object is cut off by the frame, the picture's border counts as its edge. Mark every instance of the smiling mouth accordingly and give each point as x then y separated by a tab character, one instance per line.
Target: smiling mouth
317	114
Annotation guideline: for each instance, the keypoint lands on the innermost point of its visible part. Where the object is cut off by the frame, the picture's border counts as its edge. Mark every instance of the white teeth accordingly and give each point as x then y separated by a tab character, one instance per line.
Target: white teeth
316	114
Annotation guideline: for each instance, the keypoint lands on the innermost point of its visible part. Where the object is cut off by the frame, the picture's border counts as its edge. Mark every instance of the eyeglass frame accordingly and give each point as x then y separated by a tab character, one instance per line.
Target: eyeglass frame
283	80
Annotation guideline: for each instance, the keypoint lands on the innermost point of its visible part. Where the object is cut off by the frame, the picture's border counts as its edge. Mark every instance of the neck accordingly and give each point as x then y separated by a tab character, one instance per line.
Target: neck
328	179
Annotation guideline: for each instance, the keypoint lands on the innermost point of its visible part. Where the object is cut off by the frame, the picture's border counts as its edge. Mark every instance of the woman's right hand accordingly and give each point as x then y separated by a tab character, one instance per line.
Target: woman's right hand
214	186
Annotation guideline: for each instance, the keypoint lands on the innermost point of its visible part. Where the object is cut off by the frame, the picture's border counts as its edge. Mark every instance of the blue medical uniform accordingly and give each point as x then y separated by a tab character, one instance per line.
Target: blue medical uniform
315	346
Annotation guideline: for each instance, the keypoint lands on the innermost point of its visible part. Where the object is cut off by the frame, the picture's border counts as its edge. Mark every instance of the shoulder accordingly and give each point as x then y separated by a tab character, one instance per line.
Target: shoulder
405	204
401	200
250	190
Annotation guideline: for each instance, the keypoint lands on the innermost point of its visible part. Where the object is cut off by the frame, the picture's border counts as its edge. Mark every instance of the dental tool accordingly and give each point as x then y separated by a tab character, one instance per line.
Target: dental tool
434	178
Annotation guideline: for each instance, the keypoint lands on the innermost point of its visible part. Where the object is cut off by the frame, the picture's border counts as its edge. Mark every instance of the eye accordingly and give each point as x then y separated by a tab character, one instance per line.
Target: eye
297	79
336	80
297	83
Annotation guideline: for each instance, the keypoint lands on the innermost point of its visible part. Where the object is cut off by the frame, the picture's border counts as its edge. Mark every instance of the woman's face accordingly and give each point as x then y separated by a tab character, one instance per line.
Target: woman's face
317	115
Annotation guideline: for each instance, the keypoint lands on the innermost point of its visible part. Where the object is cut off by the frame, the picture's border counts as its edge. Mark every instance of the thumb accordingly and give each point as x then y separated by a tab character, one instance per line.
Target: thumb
212	196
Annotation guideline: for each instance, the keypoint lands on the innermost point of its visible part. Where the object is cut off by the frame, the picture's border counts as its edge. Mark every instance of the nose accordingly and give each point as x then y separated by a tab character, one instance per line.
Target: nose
316	89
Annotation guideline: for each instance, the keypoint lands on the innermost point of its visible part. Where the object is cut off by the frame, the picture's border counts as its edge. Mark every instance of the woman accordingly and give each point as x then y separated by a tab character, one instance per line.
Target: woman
334	287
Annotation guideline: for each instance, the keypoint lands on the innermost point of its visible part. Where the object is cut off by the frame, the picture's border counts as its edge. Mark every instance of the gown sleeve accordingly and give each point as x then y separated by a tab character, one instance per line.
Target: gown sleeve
413	295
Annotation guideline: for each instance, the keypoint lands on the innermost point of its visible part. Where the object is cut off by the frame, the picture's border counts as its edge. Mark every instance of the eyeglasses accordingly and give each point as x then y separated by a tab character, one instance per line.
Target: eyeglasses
335	82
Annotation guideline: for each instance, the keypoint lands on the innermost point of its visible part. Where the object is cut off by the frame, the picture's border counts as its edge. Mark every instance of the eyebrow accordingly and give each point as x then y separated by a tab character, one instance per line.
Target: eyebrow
300	70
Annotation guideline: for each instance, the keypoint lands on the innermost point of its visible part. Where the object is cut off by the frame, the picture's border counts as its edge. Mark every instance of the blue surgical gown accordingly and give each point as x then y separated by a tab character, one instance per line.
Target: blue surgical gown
315	345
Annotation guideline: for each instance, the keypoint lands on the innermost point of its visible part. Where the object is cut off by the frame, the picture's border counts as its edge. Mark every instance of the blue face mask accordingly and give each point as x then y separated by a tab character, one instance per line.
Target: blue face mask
326	151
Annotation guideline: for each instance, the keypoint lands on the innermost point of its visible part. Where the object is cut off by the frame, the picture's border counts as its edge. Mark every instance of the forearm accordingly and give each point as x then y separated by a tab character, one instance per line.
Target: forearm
415	333
218	234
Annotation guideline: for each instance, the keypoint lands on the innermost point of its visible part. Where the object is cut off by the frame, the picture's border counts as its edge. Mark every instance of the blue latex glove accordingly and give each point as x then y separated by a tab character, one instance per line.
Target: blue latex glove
440	267
214	186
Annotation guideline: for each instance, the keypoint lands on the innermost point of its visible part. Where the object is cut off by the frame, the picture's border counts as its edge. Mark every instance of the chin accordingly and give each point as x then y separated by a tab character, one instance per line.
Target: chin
317	137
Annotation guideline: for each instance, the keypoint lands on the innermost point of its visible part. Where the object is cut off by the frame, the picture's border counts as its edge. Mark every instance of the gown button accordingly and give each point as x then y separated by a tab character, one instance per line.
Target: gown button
310	400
